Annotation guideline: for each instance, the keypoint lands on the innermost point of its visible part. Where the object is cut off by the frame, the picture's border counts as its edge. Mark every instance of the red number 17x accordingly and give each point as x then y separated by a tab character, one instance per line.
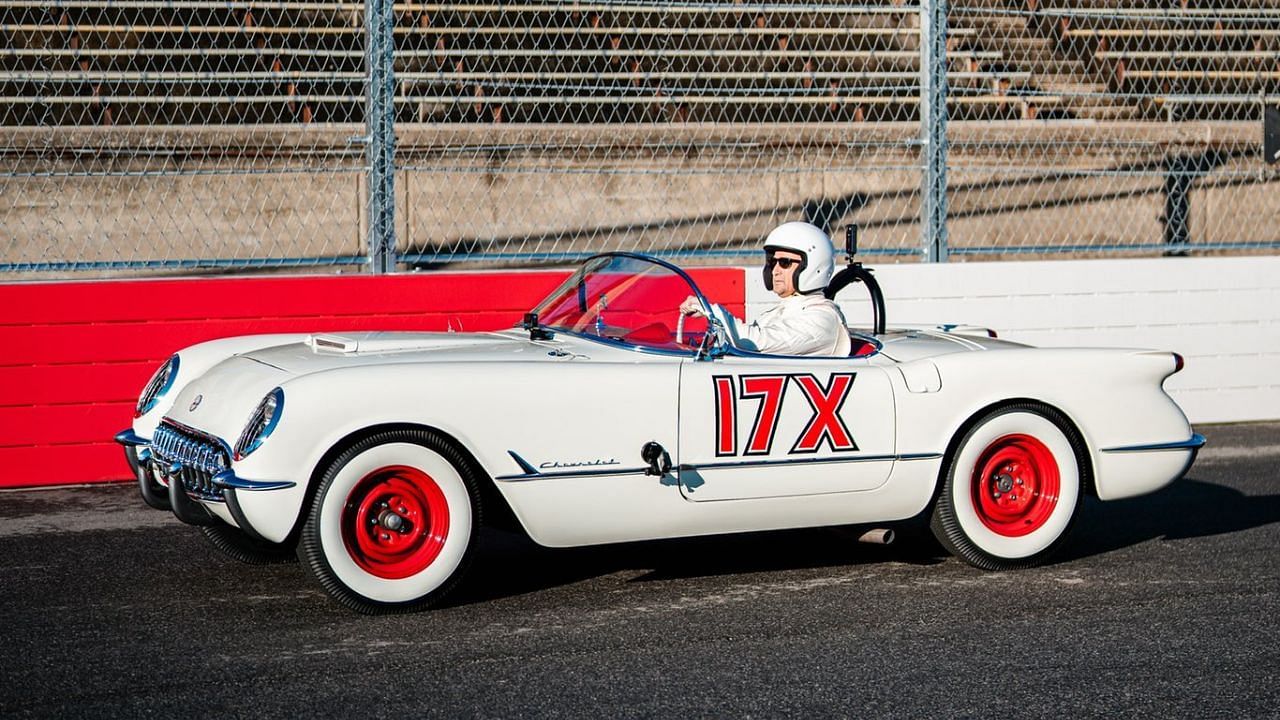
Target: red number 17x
825	425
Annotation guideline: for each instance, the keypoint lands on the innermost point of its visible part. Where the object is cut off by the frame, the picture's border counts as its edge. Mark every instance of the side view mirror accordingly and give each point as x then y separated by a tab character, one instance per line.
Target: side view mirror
536	331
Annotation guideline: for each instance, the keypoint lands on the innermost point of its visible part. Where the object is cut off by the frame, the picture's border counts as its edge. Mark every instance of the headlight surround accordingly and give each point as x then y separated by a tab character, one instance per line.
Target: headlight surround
261	423
159	384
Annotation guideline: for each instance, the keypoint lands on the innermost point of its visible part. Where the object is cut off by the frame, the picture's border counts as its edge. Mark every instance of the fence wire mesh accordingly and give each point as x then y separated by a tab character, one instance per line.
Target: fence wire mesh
1146	135
142	136
205	134
549	130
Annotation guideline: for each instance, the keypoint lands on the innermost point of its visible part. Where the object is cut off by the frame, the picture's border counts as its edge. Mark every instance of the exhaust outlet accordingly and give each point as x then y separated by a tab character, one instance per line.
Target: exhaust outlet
879	536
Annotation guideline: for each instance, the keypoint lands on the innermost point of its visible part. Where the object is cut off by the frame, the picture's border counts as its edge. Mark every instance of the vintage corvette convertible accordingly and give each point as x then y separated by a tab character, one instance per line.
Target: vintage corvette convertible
605	416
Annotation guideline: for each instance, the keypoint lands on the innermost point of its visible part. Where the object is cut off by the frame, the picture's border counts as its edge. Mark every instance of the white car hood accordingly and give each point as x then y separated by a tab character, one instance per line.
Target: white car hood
327	351
230	391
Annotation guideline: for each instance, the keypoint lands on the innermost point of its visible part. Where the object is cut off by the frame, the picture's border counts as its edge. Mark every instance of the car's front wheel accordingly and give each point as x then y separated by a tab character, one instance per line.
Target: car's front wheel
393	522
1011	489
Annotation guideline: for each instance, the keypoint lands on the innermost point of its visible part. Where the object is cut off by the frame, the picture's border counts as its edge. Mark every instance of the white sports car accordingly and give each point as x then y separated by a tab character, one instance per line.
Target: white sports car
607	417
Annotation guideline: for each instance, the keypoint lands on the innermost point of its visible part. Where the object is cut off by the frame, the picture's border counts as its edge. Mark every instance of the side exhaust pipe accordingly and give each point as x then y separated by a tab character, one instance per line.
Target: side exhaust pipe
879	536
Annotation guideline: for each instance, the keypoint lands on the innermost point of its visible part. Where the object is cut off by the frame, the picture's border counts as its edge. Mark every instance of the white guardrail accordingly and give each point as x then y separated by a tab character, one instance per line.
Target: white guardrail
1221	314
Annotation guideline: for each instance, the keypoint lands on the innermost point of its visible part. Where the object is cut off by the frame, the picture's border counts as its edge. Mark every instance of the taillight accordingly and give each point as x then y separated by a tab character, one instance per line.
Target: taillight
1178	364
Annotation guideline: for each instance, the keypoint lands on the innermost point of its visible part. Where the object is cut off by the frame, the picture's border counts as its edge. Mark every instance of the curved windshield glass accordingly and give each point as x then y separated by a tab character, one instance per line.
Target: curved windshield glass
626	299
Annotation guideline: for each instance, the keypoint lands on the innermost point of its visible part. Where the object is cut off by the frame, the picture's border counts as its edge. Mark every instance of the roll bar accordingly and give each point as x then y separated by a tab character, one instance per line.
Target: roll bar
856	273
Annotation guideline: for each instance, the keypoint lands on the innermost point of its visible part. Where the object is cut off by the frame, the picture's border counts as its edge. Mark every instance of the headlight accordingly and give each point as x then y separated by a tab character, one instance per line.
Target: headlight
261	423
157	386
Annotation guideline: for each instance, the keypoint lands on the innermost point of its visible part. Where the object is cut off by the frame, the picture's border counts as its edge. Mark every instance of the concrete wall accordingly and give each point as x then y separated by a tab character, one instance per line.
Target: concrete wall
111	195
1221	314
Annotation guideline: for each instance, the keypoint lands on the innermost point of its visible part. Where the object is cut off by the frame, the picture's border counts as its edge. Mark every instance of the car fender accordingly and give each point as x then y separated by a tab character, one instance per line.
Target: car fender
1113	397
487	410
195	360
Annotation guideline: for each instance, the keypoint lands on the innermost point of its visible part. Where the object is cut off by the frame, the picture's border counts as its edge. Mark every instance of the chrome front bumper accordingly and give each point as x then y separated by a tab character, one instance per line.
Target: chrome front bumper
181	469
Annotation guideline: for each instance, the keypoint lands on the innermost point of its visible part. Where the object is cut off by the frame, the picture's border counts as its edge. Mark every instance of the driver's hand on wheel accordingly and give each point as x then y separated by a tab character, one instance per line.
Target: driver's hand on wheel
691	306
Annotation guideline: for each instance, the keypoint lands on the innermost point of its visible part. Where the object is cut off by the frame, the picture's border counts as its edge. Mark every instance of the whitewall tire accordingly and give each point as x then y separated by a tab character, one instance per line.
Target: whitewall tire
1011	489
393	522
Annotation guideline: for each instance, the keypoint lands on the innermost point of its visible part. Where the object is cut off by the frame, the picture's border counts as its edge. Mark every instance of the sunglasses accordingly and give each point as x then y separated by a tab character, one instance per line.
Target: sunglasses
784	263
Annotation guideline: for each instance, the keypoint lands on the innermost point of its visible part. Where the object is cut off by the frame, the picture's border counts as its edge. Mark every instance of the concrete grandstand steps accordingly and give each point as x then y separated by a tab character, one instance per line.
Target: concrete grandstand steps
114	61
1172	8
206	60
1108	112
1069	85
1144	6
179	62
1016	33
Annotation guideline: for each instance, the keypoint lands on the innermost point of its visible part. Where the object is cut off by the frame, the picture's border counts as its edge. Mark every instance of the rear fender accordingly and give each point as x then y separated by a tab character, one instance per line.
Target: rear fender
1114	398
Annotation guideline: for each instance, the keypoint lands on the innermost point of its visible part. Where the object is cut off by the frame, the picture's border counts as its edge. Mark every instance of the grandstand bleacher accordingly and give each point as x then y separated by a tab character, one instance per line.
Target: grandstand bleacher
197	62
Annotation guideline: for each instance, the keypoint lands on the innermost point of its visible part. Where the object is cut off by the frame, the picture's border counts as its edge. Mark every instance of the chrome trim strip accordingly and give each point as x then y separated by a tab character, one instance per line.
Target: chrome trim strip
1195	442
813	461
879	348
745	353
166	420
228	479
524	464
129	437
572	473
905	457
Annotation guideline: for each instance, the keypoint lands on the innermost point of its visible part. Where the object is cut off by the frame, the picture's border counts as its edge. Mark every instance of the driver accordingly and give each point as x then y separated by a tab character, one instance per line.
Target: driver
799	262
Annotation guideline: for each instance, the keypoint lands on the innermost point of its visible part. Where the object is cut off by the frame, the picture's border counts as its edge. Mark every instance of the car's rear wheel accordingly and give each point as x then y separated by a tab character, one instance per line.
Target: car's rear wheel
393	522
236	544
1011	489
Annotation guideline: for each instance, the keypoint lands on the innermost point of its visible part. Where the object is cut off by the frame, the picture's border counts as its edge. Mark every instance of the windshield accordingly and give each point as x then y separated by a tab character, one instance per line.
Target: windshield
627	299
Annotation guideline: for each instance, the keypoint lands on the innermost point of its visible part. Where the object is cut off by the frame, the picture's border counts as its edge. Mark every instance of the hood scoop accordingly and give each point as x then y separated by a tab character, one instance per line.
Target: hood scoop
332	343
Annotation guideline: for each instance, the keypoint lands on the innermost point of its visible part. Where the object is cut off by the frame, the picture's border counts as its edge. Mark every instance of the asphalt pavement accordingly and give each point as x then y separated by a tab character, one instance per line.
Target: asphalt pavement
1162	606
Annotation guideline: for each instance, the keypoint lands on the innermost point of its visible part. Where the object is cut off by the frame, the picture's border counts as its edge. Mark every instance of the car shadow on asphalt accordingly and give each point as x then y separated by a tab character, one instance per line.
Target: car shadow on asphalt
1186	509
510	564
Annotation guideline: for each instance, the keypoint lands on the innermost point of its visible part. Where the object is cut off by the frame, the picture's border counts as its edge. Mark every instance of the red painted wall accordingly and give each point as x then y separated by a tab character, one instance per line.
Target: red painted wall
74	355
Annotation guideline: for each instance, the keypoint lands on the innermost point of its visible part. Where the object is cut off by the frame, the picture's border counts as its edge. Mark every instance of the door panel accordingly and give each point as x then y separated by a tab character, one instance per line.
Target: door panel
755	427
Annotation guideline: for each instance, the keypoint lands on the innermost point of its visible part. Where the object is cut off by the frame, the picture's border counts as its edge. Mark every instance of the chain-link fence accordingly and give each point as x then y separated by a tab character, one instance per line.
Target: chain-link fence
142	136
1148	131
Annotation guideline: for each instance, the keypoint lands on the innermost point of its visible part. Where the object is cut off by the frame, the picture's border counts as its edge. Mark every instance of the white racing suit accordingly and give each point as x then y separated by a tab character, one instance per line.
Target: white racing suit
797	325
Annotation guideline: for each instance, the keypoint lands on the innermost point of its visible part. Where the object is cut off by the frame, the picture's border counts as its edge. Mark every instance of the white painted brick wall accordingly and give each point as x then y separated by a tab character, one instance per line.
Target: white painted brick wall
1221	314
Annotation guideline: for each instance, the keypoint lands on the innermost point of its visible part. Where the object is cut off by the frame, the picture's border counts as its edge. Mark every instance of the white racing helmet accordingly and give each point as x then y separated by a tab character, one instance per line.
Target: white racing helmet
819	263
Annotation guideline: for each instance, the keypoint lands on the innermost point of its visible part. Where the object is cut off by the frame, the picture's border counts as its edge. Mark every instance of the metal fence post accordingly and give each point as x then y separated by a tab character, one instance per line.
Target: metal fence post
379	22
933	130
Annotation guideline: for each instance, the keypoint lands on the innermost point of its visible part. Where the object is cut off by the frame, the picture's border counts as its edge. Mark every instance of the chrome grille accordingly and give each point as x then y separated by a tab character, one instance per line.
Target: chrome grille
198	458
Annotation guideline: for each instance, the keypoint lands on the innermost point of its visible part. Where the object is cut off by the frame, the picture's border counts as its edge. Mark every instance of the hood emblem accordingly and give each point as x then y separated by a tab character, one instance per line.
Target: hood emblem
195	403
